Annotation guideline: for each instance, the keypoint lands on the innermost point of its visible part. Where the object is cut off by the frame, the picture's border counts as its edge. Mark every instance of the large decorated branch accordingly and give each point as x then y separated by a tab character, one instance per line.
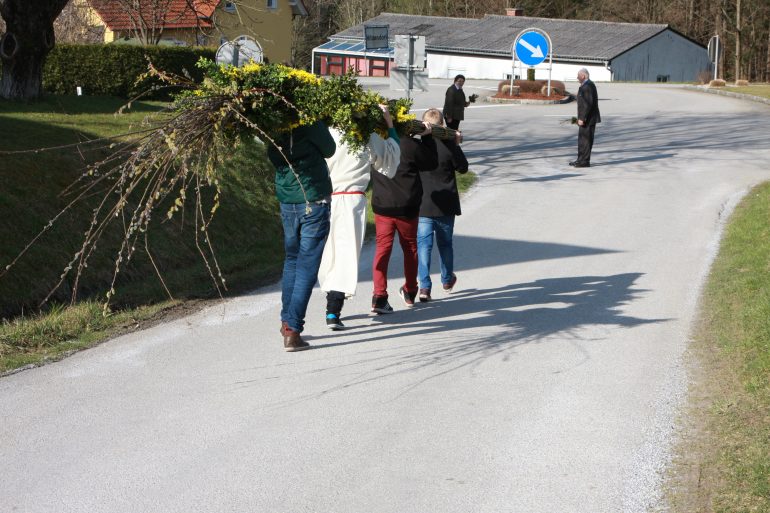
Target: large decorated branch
169	164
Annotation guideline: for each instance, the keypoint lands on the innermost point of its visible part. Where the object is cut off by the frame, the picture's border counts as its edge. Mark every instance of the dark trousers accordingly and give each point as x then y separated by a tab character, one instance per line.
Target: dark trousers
585	143
334	302
454	124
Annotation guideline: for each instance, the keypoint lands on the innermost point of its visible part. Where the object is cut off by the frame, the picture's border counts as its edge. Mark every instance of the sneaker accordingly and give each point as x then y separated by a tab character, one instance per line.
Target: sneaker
293	342
424	295
333	322
408	297
449	286
380	305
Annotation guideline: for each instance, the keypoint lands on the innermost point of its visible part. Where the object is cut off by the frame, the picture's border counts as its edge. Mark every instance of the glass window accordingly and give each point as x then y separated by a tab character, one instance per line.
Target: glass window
230	7
272	4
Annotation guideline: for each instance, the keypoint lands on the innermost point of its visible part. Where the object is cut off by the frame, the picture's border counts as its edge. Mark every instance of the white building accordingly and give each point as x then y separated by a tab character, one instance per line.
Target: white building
481	49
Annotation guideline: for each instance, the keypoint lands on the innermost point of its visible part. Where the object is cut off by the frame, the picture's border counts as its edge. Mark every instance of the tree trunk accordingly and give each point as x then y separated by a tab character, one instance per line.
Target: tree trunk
767	64
29	37
738	40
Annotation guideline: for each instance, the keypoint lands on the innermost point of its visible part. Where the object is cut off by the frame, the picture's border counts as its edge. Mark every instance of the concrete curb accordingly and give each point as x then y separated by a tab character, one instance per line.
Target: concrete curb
525	101
740	96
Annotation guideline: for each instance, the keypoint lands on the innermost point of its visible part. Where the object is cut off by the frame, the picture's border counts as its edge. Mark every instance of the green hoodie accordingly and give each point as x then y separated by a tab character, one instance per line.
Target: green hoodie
305	147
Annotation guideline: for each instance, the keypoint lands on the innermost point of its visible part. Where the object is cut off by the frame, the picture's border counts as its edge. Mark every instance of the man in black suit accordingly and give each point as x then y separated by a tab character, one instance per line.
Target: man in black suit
588	116
455	103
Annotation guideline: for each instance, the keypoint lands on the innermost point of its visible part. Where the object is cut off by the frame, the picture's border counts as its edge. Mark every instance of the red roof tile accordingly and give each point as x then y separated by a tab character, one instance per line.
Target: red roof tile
120	15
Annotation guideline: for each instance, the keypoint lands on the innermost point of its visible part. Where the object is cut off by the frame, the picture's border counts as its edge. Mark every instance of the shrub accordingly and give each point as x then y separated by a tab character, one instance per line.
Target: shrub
741	83
112	69
534	86
530	74
704	76
717	83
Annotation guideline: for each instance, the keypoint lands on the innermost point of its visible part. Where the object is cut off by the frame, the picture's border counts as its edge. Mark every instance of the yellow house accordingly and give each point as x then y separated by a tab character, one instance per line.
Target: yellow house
201	22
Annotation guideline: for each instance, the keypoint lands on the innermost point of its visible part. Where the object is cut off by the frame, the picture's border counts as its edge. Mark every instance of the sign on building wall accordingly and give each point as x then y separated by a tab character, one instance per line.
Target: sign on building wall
376	36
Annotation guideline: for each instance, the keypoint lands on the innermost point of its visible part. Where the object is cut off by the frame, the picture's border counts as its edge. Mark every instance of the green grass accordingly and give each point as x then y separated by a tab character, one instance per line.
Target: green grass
761	90
246	232
724	464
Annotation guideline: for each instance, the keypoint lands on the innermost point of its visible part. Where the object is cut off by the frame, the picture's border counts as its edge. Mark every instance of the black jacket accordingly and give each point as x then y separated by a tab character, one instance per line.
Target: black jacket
454	103
439	186
588	103
400	196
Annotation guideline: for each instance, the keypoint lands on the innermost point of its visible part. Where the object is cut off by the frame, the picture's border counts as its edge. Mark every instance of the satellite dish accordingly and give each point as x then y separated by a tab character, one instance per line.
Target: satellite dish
239	51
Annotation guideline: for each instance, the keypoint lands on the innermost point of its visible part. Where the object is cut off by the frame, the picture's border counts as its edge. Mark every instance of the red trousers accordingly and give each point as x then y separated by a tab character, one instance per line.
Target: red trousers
407	235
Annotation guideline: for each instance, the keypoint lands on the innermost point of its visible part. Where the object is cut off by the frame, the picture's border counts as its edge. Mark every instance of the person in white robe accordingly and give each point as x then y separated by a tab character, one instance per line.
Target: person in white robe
350	174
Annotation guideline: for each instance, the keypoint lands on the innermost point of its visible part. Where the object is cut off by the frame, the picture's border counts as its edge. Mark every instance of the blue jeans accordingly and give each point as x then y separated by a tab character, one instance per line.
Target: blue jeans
443	227
304	238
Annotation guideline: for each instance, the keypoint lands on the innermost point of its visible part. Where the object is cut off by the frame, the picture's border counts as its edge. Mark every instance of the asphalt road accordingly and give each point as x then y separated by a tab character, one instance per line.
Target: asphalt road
549	382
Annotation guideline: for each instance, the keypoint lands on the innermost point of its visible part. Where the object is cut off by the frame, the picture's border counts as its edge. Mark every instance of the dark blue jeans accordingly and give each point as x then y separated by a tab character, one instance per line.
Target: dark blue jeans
304	238
443	227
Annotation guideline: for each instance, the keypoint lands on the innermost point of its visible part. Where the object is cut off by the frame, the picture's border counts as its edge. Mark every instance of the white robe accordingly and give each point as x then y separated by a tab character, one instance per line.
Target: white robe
350	175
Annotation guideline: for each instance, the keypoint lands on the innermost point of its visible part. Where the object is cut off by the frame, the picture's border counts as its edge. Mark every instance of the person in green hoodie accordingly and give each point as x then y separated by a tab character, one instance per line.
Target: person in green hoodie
303	188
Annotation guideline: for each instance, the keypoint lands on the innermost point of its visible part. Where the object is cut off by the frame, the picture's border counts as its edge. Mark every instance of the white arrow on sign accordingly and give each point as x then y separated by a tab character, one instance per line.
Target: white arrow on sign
537	52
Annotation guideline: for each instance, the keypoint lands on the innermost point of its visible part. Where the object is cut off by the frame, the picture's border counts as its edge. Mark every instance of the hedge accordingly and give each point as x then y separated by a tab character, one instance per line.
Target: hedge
112	69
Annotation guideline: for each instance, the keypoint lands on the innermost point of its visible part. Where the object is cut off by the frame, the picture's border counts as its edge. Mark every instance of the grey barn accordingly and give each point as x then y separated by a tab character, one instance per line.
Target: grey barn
481	48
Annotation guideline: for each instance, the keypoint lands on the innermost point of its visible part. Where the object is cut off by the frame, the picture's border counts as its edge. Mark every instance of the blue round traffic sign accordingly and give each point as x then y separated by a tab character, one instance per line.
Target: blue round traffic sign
531	48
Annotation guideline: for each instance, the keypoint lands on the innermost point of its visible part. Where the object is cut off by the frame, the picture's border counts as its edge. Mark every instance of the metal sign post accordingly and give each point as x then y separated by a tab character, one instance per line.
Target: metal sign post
714	49
410	58
531	47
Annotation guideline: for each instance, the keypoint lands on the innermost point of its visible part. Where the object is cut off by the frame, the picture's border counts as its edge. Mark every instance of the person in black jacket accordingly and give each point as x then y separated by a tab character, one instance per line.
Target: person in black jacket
396	206
588	116
440	204
455	103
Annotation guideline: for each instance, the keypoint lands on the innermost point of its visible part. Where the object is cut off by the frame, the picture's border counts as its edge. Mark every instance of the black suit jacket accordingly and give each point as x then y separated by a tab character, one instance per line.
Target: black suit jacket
439	186
588	103
454	103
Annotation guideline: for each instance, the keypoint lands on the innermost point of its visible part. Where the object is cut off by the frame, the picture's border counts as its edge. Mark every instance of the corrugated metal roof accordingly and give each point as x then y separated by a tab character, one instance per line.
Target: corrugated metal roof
493	34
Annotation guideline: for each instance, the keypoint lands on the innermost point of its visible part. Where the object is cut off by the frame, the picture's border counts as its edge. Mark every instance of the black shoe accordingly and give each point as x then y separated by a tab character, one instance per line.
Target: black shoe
573	163
333	322
424	295
408	297
581	164
380	305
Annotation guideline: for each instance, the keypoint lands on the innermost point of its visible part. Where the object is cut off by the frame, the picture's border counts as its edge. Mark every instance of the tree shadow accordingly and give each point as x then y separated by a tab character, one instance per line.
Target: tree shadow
550	178
465	329
628	139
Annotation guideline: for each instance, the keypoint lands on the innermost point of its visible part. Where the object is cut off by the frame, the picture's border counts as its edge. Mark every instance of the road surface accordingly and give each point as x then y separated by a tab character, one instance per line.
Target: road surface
549	382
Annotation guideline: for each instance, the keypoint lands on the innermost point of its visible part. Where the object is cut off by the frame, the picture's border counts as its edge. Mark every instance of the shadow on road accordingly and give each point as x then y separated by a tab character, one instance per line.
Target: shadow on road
473	325
626	139
479	252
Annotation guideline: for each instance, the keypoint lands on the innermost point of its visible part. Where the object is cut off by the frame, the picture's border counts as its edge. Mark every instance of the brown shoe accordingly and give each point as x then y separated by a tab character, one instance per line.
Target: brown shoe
284	327
292	341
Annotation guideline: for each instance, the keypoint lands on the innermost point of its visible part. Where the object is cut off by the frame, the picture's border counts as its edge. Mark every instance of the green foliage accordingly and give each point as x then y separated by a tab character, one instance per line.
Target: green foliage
530	74
271	98
112	70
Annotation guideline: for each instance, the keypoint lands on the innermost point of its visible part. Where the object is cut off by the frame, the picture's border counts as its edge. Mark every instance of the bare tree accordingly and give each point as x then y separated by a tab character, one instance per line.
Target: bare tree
73	25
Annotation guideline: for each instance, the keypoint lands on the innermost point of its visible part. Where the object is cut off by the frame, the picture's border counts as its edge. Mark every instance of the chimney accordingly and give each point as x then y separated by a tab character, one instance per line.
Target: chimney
514	11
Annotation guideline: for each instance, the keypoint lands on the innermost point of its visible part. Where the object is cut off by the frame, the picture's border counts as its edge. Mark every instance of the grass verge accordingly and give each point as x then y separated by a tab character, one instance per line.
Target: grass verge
723	462
761	90
245	233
